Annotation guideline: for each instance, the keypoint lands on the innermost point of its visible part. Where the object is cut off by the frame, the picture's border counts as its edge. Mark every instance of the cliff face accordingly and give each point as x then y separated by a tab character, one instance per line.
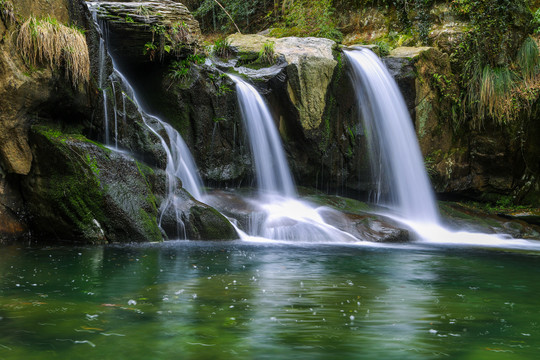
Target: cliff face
23	93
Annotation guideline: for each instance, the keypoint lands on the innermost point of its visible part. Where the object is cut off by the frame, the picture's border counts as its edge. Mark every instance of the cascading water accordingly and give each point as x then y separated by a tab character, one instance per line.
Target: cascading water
273	175
396	160
283	216
180	163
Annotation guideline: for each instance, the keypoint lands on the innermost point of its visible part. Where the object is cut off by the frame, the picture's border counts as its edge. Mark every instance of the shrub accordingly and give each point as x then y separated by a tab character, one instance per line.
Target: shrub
47	41
308	18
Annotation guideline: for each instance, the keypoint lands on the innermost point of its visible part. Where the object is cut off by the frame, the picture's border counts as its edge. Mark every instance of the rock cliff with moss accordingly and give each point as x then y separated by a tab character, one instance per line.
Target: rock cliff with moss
58	182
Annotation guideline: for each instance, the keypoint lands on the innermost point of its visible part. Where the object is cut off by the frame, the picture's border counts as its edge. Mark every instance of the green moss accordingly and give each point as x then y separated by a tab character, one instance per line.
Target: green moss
150	226
146	171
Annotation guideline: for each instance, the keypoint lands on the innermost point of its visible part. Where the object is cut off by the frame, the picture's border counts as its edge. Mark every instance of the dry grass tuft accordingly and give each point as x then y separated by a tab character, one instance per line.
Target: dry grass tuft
46	41
7	13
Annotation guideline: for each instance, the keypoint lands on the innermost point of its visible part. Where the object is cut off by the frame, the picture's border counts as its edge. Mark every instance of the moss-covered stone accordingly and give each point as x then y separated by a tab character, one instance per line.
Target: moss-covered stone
81	192
207	223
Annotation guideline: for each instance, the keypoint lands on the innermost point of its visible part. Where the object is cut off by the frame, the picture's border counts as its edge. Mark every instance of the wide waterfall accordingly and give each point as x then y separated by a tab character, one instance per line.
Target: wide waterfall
396	161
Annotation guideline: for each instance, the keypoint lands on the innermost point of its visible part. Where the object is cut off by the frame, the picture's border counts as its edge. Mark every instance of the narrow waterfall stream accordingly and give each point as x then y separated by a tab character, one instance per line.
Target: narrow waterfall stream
180	163
273	175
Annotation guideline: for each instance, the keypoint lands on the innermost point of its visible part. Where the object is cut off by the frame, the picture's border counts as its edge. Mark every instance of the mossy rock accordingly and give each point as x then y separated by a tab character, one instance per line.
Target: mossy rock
195	220
79	191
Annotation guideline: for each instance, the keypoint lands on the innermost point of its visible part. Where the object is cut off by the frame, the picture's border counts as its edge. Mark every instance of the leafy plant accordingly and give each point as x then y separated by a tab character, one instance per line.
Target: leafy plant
384	48
150	49
222	48
223	89
181	69
48	41
129	19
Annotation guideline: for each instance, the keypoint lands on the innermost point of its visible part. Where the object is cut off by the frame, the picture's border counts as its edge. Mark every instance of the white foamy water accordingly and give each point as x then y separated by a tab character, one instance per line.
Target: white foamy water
397	164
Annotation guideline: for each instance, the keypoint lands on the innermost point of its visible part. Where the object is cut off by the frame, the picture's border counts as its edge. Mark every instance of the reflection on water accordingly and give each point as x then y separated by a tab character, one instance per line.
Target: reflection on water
262	301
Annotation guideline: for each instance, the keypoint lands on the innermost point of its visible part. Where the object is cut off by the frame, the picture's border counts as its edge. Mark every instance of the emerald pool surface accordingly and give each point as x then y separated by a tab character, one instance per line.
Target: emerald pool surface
193	300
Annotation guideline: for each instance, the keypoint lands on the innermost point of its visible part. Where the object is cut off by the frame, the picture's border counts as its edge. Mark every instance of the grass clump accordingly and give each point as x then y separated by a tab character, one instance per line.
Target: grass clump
222	48
6	12
267	54
46	41
501	92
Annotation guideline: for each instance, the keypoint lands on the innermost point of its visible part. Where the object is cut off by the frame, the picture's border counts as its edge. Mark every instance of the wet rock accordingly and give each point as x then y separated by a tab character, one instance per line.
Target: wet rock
12	211
194	220
79	191
357	218
467	217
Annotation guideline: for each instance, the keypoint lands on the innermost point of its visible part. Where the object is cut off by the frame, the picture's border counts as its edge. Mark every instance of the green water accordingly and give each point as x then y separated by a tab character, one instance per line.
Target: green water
185	300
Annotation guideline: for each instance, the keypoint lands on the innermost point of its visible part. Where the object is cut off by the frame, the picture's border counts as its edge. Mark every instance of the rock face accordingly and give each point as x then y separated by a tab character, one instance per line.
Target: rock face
310	67
24	90
133	24
314	110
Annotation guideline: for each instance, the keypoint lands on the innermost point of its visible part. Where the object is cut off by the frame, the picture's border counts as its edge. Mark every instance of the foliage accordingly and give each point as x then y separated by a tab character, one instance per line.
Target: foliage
150	49
536	21
47	41
384	47
501	92
180	70
170	39
499	72
222	48
7	12
223	89
247	15
308	18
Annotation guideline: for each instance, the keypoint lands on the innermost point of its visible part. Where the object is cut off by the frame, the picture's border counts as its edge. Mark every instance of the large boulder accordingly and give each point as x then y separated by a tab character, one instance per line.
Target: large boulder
310	68
79	191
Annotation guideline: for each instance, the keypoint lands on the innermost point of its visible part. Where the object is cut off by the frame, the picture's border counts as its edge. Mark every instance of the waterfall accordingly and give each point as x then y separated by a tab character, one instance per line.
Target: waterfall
180	162
281	215
396	161
273	175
